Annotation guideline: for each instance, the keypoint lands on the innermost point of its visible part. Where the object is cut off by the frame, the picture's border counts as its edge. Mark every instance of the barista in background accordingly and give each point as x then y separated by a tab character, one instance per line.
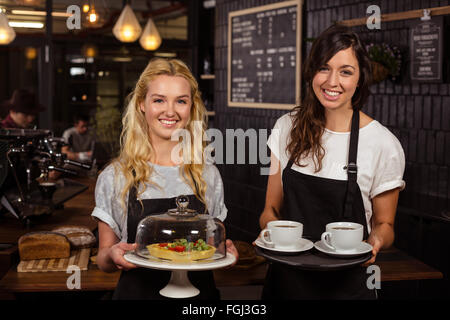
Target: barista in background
80	141
22	108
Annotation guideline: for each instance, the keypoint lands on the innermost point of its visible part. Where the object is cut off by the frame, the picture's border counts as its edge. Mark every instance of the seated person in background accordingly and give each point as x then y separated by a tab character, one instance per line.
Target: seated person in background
23	107
80	141
80	146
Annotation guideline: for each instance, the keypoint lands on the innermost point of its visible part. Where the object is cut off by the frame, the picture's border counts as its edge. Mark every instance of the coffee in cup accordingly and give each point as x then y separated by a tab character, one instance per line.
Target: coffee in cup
342	236
47	189
282	234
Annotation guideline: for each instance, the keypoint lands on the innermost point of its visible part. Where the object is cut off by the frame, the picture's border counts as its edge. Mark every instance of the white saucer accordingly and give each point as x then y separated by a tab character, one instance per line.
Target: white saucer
301	245
363	248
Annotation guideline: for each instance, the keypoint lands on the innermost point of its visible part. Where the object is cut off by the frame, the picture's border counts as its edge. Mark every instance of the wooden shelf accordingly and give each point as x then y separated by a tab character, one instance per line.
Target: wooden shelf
207	76
412	14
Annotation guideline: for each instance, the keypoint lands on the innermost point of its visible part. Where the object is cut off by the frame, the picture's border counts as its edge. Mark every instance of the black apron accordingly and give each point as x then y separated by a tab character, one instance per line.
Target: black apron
143	283
315	202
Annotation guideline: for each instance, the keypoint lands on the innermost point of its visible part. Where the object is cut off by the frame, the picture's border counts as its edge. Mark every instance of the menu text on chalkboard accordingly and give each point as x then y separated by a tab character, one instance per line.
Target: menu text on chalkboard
264	50
426	50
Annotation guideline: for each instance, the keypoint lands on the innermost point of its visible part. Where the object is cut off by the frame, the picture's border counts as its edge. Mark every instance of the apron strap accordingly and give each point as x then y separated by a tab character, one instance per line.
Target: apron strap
352	168
289	164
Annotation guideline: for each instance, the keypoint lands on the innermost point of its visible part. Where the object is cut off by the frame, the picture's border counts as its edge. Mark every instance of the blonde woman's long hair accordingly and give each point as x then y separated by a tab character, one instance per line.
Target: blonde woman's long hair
135	146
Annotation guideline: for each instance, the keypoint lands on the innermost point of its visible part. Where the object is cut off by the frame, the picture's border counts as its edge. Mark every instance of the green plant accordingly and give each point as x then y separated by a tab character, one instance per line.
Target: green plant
389	56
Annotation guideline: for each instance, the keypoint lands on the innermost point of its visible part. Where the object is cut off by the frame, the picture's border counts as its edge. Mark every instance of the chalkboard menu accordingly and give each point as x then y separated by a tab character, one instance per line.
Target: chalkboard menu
264	50
426	50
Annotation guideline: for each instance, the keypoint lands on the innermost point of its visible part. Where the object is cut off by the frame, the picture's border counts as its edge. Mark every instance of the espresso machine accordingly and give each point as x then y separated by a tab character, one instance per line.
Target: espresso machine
27	159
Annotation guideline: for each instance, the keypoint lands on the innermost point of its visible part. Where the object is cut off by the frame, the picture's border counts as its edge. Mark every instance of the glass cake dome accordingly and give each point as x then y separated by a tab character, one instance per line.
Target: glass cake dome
181	235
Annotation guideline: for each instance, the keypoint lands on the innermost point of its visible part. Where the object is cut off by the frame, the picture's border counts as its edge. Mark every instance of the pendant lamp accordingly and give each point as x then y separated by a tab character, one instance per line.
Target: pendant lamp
89	50
7	34
94	16
86	8
30	53
127	28
150	39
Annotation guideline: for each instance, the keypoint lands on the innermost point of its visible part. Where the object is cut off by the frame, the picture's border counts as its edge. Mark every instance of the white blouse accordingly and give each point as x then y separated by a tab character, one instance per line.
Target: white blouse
380	159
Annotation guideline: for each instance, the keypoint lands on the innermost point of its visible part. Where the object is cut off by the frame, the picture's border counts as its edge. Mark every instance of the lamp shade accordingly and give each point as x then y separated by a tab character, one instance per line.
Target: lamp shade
150	39
7	34
127	28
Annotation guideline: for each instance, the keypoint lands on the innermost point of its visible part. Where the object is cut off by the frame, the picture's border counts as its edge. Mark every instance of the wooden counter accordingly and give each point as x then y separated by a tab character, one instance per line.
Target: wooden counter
77	211
394	264
91	280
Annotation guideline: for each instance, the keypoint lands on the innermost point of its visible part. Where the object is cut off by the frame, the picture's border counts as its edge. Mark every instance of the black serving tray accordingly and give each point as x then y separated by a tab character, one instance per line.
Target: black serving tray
313	260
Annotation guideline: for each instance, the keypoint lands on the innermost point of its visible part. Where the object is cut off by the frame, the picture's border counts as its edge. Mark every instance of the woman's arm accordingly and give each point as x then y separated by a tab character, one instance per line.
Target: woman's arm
111	251
274	194
384	208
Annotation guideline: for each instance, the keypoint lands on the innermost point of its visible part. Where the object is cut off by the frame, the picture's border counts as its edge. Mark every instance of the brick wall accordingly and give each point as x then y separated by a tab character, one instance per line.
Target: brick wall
418	114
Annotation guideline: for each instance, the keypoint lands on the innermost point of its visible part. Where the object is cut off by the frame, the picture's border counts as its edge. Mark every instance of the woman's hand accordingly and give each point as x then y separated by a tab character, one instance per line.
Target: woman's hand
382	234
116	253
376	243
232	249
111	250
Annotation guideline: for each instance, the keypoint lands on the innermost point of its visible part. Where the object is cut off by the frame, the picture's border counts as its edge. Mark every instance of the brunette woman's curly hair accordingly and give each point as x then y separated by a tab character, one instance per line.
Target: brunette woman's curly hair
309	117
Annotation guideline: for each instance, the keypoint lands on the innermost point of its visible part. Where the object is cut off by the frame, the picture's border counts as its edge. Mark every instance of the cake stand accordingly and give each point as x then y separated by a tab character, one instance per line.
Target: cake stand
179	285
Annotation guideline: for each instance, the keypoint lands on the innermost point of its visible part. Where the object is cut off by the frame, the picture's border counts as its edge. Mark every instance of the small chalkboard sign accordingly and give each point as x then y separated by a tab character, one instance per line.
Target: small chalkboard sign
264	52
426	50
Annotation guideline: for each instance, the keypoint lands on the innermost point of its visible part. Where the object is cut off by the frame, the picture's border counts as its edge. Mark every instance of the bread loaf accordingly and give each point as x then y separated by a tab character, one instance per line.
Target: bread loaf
79	237
43	245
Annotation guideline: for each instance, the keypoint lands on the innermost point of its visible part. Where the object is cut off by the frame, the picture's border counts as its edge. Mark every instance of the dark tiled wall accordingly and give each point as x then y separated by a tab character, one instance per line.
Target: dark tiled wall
418	114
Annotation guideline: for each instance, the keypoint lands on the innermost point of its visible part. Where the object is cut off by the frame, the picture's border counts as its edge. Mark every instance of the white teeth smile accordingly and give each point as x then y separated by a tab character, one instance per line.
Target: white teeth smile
332	93
168	121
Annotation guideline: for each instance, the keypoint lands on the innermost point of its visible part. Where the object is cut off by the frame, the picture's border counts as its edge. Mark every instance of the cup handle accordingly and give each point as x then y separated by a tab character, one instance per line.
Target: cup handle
263	237
326	240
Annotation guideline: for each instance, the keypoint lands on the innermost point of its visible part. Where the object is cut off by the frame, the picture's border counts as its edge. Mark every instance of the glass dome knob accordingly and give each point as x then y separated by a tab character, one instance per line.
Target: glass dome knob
182	207
182	203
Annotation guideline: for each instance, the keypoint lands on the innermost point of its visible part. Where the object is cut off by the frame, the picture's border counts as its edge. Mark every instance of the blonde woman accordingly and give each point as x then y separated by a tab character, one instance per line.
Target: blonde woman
147	176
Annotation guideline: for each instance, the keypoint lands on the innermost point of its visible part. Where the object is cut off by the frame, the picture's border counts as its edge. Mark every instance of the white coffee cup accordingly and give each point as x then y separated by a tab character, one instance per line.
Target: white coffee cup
342	236
282	234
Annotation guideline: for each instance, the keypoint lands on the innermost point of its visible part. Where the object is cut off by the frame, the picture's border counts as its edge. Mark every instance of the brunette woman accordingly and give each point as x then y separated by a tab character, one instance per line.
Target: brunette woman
332	162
